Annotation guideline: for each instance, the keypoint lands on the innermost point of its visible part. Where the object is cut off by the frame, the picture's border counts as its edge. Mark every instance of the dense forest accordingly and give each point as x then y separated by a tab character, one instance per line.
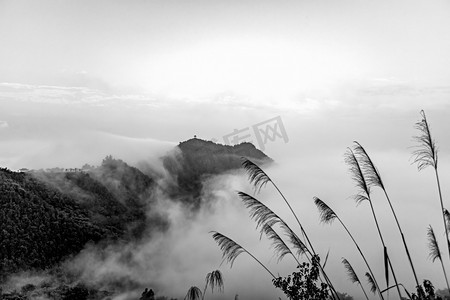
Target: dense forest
49	216
40	226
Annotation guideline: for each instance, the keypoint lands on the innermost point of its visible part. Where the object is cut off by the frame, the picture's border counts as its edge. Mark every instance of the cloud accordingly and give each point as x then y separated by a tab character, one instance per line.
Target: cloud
175	260
392	94
71	94
3	124
83	147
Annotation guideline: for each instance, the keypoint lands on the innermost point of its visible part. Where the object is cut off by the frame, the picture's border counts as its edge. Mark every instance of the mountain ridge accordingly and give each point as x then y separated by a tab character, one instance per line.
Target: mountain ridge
199	159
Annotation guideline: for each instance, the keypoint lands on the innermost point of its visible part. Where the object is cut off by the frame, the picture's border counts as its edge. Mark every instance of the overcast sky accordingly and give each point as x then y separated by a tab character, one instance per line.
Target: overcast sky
83	79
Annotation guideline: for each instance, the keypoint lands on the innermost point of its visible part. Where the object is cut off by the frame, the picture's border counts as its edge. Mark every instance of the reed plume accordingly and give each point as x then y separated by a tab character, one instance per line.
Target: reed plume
371	174
363	194
447	218
279	246
259	179
231	250
263	216
426	155
356	172
373	178
296	242
435	252
265	219
352	275
259	212
213	279
194	293
370	280
327	216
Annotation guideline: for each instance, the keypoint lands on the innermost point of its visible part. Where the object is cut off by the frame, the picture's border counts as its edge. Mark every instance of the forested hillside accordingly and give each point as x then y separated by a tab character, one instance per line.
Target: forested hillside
116	196
40	226
50	215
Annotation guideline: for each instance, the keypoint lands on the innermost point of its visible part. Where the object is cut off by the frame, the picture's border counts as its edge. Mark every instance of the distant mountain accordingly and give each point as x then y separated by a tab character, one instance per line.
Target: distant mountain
116	195
198	159
47	216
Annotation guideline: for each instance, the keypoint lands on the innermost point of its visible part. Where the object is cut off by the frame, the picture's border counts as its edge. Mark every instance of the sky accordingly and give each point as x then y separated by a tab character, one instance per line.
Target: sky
83	79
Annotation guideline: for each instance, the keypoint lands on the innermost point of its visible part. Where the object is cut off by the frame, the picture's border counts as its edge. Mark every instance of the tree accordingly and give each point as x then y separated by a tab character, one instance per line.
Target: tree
147	295
426	292
303	285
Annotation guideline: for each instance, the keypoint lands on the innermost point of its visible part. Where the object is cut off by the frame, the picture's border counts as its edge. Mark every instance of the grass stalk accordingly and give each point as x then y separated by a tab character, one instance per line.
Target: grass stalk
426	155
213	279
231	250
363	183
374	179
435	252
327	216
352	275
259	178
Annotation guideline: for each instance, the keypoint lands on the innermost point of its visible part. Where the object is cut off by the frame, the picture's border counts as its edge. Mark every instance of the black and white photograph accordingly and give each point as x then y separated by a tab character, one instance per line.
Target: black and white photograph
224	149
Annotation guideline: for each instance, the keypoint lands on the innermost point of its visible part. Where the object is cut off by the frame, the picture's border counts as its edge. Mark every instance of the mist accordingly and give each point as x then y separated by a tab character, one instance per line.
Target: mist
174	260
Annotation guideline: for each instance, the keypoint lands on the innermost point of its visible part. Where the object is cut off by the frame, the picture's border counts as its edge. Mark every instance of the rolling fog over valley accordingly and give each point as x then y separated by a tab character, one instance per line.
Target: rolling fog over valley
198	149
